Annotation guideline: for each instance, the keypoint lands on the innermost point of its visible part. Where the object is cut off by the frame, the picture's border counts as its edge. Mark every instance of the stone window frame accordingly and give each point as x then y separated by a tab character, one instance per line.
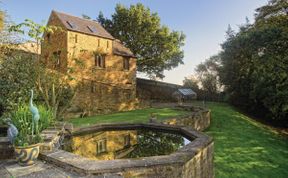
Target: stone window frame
101	146
76	38
126	63
127	140
100	61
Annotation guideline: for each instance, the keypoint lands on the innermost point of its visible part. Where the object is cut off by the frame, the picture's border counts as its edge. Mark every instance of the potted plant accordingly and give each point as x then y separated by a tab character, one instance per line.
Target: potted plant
24	131
26	144
27	148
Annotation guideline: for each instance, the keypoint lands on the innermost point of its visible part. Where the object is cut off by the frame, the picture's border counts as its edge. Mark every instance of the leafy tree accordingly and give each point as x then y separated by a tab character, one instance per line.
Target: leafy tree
207	74
156	47
254	64
273	8
17	78
191	82
53	87
8	73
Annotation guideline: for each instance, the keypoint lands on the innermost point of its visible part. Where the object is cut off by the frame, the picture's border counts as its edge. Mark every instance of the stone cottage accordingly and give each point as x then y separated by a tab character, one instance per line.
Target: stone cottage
103	68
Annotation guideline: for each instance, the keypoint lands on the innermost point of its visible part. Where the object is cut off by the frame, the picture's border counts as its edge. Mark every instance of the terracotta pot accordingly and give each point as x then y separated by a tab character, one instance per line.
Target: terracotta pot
27	155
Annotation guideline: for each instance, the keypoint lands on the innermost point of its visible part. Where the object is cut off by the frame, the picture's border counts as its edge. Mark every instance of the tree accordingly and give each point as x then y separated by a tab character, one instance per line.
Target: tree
254	63
156	47
273	8
52	86
191	82
17	78
11	93
207	74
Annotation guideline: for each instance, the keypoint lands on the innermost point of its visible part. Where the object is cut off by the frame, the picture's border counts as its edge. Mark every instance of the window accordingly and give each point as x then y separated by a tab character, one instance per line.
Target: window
100	61
71	25
126	65
92	29
76	38
127	140
98	42
56	57
48	37
93	87
101	146
107	44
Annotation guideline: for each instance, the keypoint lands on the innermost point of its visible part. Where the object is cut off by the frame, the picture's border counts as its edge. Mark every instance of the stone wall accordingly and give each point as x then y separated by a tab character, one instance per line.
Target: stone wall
6	149
199	118
194	160
155	90
97	98
200	166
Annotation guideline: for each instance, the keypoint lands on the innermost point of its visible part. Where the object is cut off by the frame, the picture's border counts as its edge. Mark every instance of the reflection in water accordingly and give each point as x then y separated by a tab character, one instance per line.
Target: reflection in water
107	145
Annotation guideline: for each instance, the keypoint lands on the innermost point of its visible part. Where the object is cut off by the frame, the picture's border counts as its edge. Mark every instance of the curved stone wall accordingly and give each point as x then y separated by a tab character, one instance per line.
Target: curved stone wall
192	160
199	118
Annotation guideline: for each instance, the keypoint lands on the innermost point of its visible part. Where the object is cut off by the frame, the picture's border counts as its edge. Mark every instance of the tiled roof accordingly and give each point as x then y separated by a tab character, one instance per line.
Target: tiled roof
82	25
91	27
120	49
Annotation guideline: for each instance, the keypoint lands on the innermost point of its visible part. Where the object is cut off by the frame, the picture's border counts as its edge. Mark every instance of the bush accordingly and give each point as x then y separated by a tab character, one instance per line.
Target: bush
18	76
22	119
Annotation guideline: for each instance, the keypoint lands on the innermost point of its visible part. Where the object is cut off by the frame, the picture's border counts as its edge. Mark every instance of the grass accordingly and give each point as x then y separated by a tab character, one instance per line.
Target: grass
129	116
244	147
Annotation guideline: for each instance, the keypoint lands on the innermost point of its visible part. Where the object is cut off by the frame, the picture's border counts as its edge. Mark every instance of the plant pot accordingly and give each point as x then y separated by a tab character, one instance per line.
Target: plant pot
27	155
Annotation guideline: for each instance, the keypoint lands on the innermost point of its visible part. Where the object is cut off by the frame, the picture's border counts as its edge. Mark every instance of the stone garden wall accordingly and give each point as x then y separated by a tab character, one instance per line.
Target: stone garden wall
198	119
194	160
155	90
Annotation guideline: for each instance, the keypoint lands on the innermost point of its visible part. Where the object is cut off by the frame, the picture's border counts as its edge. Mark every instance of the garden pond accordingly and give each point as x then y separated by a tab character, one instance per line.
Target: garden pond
120	144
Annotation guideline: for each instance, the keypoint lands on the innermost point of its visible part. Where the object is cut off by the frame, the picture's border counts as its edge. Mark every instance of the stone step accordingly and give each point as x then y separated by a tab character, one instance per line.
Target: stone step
4	140
50	131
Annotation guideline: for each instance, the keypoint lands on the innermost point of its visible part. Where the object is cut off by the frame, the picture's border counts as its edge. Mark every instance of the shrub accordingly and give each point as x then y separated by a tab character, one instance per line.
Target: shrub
22	119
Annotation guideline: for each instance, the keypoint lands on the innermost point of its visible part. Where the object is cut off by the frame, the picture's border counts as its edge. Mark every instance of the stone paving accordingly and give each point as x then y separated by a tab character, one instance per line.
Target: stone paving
10	169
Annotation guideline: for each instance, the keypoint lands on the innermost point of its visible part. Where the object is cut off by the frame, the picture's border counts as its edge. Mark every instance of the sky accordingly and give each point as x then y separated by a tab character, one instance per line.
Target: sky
204	22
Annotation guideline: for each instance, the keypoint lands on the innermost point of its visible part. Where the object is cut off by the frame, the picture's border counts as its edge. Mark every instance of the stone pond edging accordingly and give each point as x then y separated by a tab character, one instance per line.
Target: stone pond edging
192	160
53	134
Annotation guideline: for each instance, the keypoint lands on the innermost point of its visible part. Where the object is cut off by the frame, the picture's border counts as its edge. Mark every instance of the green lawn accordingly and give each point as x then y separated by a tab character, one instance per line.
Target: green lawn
129	116
245	148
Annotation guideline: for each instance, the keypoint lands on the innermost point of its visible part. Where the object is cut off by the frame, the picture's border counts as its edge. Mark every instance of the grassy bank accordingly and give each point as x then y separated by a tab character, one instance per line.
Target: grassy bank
245	148
129	116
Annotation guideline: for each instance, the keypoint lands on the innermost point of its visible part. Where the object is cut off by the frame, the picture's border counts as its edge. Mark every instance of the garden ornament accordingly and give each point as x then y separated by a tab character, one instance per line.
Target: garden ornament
12	131
35	114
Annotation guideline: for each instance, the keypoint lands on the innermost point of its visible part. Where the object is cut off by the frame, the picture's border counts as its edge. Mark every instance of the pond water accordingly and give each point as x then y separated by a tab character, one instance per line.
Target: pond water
119	144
